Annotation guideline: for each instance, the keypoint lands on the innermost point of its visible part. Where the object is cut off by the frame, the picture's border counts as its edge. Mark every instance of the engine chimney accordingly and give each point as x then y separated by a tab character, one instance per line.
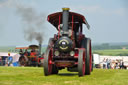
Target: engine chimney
65	19
40	49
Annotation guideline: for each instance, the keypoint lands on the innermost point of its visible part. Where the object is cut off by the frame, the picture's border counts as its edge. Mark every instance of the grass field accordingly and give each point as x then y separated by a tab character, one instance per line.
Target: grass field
112	52
35	76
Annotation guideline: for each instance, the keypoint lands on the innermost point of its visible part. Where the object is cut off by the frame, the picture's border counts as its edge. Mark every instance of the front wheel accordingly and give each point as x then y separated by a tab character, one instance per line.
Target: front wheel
47	63
81	62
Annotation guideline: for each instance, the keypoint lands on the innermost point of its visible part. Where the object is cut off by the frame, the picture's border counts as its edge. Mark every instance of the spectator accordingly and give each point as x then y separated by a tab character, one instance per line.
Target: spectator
33	53
21	52
117	64
123	67
104	63
108	63
6	62
0	61
112	64
120	64
10	59
26	53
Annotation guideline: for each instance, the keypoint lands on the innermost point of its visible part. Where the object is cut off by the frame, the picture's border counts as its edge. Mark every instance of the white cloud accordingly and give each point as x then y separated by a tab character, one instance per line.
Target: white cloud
6	3
99	10
120	11
88	9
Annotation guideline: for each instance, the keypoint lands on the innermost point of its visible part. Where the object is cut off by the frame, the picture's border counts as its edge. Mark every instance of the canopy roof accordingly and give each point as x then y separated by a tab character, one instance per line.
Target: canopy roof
54	19
21	48
33	47
29	47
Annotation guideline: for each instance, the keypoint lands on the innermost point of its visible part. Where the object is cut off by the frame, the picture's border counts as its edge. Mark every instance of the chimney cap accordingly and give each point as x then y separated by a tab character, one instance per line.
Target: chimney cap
65	9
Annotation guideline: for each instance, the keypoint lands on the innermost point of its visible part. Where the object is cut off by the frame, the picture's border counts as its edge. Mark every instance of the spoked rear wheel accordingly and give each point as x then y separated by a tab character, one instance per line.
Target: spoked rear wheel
22	61
48	62
81	62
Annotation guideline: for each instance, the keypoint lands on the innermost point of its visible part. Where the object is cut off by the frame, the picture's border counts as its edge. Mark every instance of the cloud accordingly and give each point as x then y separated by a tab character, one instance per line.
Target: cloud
6	3
89	9
100	10
120	11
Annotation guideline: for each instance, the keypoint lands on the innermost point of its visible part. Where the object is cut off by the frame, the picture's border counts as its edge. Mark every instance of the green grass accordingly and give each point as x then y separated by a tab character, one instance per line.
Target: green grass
112	52
35	76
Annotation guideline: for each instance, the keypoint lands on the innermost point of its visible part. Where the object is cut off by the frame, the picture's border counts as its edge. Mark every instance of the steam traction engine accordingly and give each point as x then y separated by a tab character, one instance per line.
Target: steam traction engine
69	47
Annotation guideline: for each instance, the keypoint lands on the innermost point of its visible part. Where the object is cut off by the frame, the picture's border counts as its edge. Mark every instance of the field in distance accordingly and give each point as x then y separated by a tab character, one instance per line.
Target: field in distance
112	52
35	76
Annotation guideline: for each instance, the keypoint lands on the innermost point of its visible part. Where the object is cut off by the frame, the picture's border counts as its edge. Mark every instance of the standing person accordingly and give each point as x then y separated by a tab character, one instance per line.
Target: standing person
116	64
21	52
33	53
120	63
6	62
123	67
26	54
10	59
0	61
104	63
108	63
113	64
33	57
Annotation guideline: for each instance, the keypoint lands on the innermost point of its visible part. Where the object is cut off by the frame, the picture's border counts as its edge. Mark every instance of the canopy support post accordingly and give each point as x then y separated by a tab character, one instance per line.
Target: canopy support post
72	26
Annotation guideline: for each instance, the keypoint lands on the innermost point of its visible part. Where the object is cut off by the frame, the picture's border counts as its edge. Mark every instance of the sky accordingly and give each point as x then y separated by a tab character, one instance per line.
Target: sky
108	20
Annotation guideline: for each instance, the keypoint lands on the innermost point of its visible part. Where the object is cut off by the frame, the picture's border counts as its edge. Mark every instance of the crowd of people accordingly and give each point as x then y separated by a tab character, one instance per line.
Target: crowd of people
113	64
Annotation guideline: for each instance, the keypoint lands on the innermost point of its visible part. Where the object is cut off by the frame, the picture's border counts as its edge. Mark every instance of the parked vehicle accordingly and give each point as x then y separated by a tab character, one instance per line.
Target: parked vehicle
30	56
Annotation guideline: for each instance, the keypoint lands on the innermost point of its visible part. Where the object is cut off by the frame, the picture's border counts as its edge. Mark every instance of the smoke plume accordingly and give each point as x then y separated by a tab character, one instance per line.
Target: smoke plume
31	34
33	23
